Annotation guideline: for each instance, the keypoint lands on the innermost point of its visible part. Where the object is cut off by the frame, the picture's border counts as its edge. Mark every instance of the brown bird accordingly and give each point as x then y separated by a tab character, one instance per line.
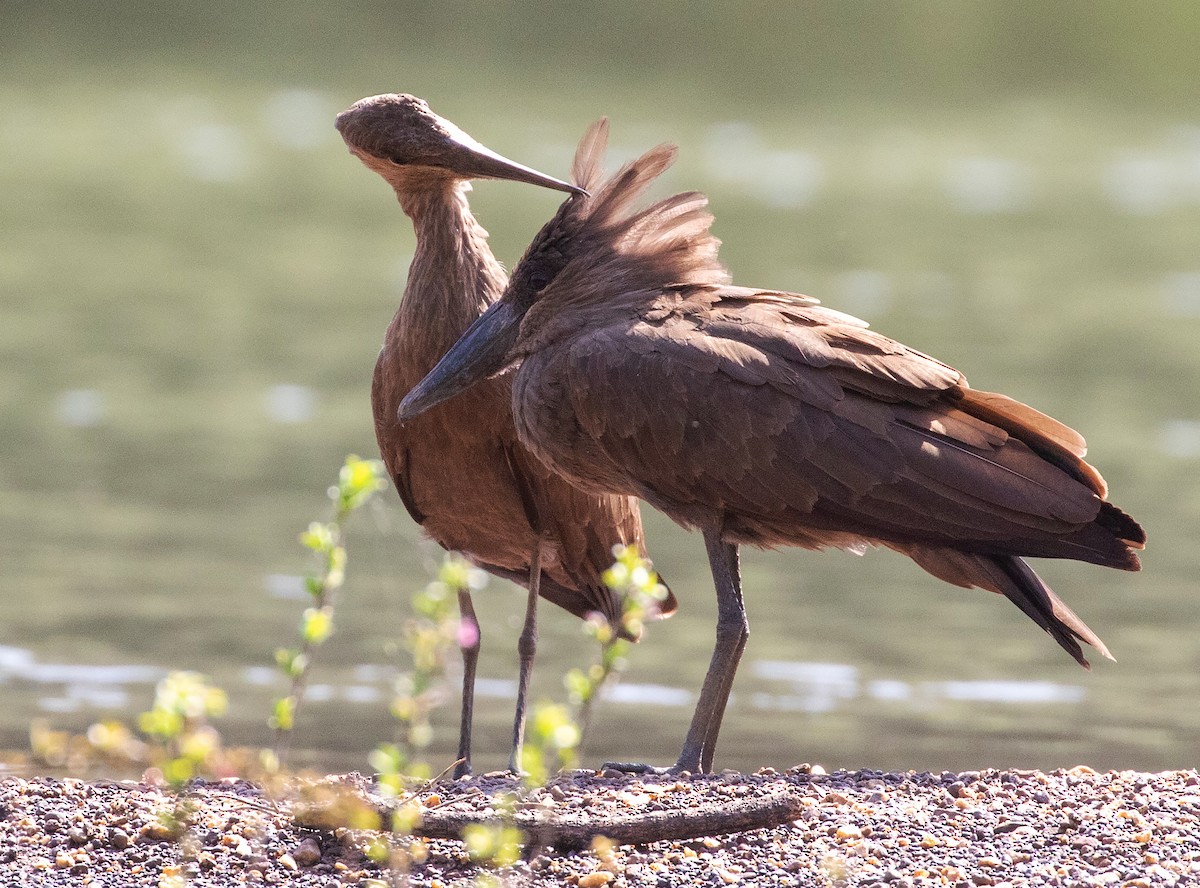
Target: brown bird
761	417
460	470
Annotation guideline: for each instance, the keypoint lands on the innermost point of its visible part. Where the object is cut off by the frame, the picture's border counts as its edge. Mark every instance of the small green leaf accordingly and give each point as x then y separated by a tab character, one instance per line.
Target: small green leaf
316	625
284	711
318	537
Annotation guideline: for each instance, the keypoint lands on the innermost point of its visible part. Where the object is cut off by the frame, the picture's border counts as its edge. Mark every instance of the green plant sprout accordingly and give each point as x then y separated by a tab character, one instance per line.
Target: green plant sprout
185	744
177	738
358	481
633	577
429	637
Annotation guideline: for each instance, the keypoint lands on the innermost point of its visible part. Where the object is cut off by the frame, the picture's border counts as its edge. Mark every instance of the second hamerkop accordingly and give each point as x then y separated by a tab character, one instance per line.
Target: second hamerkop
761	417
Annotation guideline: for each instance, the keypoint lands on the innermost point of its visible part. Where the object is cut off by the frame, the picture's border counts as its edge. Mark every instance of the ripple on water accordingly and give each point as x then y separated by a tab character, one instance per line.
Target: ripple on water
819	687
83	685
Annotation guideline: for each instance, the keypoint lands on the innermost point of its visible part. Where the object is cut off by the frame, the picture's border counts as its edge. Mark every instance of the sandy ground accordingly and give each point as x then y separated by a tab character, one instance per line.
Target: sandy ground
999	828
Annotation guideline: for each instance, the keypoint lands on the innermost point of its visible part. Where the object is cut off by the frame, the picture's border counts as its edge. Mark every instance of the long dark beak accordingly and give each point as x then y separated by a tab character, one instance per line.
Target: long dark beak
480	352
477	161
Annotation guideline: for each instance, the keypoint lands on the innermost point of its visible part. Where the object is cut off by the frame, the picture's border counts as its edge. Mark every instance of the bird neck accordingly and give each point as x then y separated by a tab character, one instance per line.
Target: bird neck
453	276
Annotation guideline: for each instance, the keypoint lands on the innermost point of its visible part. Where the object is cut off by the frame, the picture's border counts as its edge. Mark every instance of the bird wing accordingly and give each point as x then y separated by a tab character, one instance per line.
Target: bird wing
799	425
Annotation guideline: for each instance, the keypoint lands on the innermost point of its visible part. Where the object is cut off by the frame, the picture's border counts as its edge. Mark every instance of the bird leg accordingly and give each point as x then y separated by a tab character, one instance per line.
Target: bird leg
468	643
729	553
526	648
732	632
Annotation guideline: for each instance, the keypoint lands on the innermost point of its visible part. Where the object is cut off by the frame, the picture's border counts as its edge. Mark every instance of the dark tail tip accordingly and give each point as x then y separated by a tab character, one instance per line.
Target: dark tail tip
669	604
1037	601
1121	525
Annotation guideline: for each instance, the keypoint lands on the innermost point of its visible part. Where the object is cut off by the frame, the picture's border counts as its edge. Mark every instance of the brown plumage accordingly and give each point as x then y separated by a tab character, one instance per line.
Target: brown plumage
762	417
460	470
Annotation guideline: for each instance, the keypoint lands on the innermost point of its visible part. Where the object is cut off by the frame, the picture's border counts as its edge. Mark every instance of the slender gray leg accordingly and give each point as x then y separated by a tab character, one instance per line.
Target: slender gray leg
526	648
469	640
732	632
714	726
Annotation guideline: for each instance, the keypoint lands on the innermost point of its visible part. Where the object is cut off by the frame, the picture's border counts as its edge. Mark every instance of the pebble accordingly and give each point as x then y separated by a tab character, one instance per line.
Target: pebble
595	880
156	831
307	853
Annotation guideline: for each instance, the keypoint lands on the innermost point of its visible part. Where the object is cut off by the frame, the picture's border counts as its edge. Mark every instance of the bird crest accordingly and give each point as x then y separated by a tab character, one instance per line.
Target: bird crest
599	246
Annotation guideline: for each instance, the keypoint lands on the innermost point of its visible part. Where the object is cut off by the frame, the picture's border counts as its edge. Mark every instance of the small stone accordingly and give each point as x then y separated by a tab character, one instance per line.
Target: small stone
63	860
288	862
77	836
156	831
847	832
307	853
118	839
595	880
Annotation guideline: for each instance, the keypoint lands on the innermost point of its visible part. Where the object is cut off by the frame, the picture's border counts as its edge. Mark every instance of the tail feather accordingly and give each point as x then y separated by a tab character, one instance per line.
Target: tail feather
1011	577
1045	435
1029	592
1121	525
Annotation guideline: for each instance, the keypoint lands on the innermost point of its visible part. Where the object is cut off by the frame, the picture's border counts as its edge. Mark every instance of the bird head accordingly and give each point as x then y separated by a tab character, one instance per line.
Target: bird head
597	252
399	137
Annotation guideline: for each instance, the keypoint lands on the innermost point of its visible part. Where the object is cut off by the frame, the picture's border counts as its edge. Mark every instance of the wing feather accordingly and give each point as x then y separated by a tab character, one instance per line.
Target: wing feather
715	413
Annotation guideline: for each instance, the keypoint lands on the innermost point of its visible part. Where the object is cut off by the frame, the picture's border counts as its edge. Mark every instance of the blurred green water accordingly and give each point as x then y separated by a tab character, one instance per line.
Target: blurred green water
1013	189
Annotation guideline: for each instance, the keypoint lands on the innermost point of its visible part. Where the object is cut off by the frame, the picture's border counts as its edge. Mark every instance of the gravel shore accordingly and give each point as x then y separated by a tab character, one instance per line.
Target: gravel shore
998	828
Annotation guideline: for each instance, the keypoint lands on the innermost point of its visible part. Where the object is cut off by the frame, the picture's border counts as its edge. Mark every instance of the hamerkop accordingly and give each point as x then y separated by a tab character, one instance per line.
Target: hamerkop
461	471
760	417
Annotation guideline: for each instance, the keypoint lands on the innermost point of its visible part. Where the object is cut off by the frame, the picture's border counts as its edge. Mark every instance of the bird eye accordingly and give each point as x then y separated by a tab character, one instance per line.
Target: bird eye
538	280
